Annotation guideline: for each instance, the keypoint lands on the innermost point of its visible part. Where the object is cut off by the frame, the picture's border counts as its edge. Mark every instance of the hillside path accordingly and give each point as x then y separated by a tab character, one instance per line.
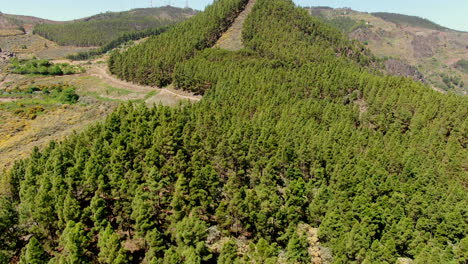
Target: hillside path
105	75
169	93
232	38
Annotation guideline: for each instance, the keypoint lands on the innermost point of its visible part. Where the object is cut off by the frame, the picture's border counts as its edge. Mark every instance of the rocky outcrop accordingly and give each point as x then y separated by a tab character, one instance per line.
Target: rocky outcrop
364	34
5	55
424	47
318	253
400	68
404	261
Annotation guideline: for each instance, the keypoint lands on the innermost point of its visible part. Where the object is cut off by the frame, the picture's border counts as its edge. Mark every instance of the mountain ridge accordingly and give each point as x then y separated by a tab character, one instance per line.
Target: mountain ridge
102	28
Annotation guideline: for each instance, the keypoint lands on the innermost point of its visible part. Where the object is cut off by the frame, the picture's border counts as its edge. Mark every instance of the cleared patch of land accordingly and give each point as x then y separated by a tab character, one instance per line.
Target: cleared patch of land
28	45
232	38
18	136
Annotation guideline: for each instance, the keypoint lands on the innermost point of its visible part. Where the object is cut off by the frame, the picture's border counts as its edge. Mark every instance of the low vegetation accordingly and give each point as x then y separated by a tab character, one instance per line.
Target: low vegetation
451	81
102	29
462	65
428	47
346	24
35	99
42	67
343	23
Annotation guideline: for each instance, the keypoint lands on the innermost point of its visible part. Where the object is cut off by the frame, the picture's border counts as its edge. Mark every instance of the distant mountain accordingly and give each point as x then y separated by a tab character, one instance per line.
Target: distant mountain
103	28
409	20
435	51
18	25
165	12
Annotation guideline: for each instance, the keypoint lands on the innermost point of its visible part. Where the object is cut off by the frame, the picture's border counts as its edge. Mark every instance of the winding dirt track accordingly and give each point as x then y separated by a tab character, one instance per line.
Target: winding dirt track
230	40
103	74
101	71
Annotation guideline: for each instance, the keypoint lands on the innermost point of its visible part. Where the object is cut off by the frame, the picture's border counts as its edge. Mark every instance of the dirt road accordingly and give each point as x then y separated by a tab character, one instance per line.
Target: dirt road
101	72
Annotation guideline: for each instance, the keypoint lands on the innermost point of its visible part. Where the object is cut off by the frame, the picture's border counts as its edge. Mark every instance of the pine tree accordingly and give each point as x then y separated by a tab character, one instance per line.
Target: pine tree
74	241
109	245
296	250
228	253
33	253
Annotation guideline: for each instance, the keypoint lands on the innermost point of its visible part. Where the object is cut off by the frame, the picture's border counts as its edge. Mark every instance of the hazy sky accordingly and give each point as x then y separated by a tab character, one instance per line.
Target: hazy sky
449	13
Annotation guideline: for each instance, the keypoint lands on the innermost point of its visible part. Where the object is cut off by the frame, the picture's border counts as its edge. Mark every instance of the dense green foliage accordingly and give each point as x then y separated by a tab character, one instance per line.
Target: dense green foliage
299	38
153	62
63	92
118	42
409	20
42	67
102	29
282	137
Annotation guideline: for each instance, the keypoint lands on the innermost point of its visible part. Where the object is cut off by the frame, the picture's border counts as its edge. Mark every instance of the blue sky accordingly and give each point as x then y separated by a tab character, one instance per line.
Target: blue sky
449	13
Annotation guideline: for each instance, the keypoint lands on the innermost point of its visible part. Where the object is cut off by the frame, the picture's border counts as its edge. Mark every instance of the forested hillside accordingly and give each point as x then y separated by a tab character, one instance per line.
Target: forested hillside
101	29
283	139
118	42
407	45
152	62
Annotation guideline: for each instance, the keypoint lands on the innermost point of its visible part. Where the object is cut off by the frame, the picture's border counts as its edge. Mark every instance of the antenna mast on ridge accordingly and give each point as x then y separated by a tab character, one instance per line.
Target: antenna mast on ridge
186	4
151	3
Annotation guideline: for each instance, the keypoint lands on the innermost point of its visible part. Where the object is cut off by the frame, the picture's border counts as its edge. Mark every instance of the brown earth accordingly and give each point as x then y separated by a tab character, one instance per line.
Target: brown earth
171	94
421	47
232	38
19	136
12	25
28	46
7	99
318	253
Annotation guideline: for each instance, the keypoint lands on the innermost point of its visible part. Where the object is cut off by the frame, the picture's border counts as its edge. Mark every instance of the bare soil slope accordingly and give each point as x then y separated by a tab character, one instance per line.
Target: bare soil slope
232	38
28	45
12	25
